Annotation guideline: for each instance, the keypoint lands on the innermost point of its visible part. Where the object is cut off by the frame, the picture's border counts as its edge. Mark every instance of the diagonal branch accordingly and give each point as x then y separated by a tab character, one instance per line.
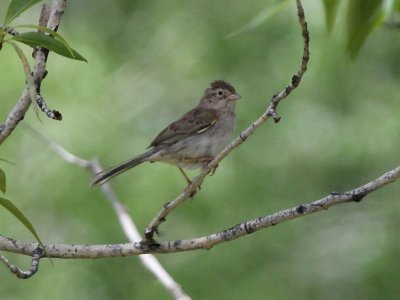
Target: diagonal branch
53	17
270	112
128	226
68	251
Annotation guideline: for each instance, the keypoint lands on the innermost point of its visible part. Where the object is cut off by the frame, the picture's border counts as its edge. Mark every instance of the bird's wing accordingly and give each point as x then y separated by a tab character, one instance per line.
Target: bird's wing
194	121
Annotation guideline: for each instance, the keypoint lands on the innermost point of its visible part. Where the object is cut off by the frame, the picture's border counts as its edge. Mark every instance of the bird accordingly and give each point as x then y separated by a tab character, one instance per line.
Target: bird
194	139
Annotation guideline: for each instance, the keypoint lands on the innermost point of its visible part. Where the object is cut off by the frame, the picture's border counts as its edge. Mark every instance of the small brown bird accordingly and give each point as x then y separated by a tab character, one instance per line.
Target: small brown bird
193	140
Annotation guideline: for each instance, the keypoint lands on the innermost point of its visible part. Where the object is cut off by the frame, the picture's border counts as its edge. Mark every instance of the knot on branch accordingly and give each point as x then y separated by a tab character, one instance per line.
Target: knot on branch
149	244
358	197
274	114
301	209
296	80
149	234
248	228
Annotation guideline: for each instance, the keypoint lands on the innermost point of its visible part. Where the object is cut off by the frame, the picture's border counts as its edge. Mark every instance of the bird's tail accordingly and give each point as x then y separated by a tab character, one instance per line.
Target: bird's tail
106	175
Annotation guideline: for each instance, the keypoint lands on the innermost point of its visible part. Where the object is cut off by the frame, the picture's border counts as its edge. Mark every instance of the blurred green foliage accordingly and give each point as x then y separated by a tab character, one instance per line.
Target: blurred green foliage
362	17
149	62
17	7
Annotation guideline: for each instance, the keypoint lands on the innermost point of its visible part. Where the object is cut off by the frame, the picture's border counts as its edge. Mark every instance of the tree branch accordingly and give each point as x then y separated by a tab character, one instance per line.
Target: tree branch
270	112
39	71
67	251
128	226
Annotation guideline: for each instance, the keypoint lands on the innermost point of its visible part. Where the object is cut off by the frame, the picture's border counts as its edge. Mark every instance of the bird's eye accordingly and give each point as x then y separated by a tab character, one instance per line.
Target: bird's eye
220	92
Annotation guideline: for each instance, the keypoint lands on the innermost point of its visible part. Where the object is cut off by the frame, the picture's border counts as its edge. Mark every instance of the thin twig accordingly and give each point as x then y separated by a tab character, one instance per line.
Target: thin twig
51	113
24	274
128	226
67	251
270	112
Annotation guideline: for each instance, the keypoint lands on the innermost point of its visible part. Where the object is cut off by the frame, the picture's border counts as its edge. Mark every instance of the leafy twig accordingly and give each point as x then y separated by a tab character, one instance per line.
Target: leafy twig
39	70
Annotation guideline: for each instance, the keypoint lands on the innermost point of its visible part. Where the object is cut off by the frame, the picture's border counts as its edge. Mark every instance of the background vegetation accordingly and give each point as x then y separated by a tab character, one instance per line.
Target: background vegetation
149	62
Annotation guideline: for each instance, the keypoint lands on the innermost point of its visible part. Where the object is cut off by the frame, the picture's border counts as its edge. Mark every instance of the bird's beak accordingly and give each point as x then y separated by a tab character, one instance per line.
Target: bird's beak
233	97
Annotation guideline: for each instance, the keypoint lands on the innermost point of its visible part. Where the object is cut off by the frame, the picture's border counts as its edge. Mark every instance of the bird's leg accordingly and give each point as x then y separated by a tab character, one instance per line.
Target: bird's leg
204	160
189	182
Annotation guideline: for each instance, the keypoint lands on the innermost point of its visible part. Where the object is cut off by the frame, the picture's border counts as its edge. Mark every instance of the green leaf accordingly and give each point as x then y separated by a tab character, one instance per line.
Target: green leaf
362	17
17	7
21	217
39	39
330	8
49	31
2	181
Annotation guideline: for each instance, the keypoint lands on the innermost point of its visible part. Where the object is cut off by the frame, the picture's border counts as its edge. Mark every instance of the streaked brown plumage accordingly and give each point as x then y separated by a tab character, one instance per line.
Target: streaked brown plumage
193	140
